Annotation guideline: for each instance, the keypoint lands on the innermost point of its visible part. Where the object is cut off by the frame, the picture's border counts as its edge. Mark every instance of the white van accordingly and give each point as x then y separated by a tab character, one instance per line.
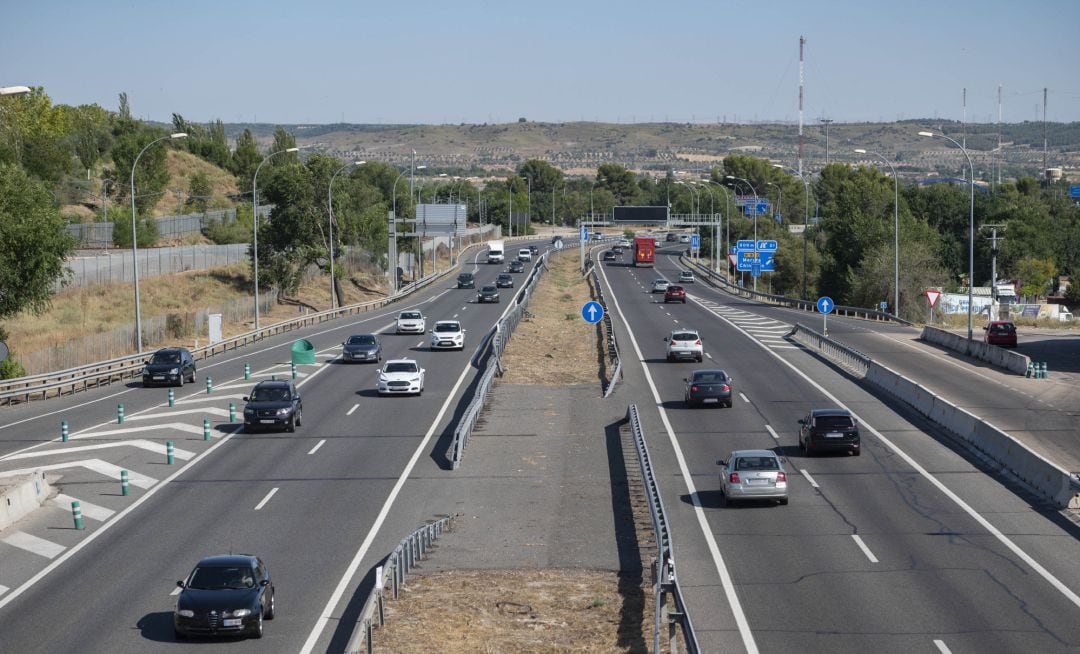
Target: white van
524	254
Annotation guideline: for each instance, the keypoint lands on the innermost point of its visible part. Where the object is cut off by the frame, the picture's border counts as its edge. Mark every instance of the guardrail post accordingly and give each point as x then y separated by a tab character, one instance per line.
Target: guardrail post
172	397
170	452
232	411
64	431
124	483
206	429
247	371
379	592
209	385
76	514
119	414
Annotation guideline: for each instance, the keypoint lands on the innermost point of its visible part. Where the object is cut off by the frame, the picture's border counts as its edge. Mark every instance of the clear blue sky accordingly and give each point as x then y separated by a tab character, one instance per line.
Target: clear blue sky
422	61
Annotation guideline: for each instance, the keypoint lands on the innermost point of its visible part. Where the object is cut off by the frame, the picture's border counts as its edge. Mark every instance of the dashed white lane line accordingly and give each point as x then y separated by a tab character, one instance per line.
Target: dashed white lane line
709	356
942	647
34	545
772	433
266	499
419	344
864	548
354	408
744	398
317	446
455	315
808	477
89	510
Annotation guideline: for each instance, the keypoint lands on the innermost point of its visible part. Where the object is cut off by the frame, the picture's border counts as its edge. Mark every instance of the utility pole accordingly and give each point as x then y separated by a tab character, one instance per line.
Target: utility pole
1045	163
827	122
994	238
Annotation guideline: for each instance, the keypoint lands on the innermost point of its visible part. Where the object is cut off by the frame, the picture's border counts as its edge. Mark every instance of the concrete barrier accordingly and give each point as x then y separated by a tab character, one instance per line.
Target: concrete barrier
21	495
992	354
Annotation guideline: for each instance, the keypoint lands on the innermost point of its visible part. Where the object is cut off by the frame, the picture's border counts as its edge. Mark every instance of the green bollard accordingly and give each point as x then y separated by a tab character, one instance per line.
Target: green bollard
232	412
1030	369
209	385
206	429
64	431
124	490
76	514
119	414
247	371
170	452
1042	370
293	370
172	397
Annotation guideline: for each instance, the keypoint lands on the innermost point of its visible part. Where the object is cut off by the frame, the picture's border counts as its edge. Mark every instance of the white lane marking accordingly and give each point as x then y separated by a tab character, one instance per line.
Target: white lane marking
3	589
699	511
164	414
346	579
864	548
455	316
176	591
178	426
942	647
34	545
744	398
709	356
772	433
317	446
354	408
96	465
808	477
93	511
158	448
266	499
419	344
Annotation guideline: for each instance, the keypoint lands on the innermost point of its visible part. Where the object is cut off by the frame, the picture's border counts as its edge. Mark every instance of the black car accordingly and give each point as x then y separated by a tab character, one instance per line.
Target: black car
534	250
224	596
829	430
504	281
709	387
466	280
618	249
555	239
609	255
362	347
273	404
170	365
517	266
487	294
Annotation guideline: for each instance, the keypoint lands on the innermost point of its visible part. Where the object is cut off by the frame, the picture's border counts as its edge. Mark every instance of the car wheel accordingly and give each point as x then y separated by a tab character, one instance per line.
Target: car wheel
299	417
257	628
699	358
181	384
179	634
728	404
782	501
270	609
291	427
856	452
192	380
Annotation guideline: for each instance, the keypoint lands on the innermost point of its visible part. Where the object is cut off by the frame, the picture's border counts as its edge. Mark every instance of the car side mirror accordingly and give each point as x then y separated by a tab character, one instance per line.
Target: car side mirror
986	327
246	398
686	379
264	582
802	421
721	462
181	584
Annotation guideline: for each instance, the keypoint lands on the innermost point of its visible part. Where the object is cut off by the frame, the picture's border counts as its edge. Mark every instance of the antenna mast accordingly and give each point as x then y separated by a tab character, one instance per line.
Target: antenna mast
802	42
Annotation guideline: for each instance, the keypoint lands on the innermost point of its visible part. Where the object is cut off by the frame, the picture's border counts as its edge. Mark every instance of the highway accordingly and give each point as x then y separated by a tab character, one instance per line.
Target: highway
909	547
310	503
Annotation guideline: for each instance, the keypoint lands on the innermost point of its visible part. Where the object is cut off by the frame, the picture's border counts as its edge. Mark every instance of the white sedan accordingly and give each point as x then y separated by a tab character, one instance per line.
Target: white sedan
401	376
447	335
410	322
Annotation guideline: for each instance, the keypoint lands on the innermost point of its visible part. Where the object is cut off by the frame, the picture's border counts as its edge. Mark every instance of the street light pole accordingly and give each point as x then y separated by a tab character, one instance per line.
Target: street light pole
971	225
747	182
330	206
896	230
135	240
806	221
255	224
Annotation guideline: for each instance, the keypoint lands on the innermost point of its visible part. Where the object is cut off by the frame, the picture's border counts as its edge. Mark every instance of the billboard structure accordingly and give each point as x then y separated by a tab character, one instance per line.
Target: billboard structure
441	219
640	214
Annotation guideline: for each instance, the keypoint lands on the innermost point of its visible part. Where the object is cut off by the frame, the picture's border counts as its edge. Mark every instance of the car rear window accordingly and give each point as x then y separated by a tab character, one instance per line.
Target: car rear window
674	289
704	377
1003	328
756	463
833	422
684	336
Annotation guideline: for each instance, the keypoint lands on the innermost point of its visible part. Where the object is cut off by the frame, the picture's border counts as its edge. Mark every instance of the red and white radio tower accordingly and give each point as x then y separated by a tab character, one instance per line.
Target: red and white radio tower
802	42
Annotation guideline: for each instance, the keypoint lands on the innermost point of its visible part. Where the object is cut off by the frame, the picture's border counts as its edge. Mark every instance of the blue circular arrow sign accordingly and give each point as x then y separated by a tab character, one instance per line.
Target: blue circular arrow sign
825	304
592	312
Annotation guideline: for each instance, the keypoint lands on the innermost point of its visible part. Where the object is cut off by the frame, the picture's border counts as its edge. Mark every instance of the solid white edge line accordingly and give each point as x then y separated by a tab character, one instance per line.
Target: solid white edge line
810	479
346	579
699	511
354	408
266	499
864	548
317	446
942	647
772	433
744	398
176	591
945	490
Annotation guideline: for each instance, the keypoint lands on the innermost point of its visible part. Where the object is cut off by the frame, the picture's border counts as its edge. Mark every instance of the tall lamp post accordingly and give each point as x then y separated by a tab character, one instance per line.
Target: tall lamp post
330	206
896	231
754	192
14	90
806	221
255	223
971	224
134	237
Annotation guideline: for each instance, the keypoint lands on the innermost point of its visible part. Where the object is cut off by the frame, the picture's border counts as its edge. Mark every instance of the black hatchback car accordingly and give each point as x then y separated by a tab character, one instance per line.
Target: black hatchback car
227	595
517	266
466	280
170	365
273	404
504	280
829	430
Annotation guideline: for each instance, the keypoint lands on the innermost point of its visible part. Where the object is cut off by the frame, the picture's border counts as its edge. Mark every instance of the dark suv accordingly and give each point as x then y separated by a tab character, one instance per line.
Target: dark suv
273	404
828	430
170	365
466	280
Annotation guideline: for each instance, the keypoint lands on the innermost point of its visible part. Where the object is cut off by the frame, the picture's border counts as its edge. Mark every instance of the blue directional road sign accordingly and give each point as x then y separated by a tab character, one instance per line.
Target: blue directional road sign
883	305
592	312
743	245
825	304
695	241
747	261
766	246
584	235
1074	191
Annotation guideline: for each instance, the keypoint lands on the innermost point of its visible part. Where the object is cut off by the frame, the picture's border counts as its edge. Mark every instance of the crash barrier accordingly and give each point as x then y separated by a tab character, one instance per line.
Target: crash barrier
609	332
492	363
992	354
93	375
391	576
19	496
1046	479
665	579
718	280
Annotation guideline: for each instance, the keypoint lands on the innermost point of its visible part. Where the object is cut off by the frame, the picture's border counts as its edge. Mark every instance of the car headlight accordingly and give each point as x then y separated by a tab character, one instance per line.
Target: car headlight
239	613
174	371
185	613
284	411
249	412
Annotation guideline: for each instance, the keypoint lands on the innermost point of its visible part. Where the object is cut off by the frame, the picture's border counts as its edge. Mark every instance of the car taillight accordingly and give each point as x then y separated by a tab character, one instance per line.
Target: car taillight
694	388
733	478
698	342
725	388
781	476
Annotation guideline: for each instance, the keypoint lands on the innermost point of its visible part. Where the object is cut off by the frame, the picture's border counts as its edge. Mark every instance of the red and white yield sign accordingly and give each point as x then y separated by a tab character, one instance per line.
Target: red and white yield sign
932	296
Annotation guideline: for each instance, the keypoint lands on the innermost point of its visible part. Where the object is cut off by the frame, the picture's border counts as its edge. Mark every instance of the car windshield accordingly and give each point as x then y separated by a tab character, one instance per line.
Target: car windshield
757	463
364	339
166	357
465	277
448	327
270	394
684	336
703	377
505	278
221	577
833	422
487	289
410	315
674	289
401	367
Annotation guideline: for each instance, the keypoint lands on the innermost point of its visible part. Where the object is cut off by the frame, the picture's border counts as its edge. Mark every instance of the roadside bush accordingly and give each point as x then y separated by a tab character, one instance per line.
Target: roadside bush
224	230
146	226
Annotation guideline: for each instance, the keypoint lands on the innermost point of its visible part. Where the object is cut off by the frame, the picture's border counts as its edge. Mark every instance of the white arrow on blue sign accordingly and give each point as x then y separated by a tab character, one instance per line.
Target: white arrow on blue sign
584	233
766	246
592	312
695	241
825	304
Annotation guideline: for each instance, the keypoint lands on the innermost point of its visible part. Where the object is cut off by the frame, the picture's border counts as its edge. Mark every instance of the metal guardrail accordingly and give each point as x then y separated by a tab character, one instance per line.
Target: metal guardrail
401	561
791	303
846	356
609	332
666	579
97	374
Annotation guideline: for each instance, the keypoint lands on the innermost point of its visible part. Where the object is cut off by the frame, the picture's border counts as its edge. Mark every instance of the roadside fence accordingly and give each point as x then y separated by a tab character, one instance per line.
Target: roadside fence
614	362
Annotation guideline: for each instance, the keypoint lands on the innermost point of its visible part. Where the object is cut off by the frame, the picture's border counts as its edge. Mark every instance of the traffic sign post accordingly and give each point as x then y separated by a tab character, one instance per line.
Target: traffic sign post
932	297
592	312
695	244
883	305
825	306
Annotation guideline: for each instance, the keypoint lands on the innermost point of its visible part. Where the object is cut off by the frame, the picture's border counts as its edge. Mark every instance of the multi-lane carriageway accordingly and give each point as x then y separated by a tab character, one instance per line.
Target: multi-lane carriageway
907	548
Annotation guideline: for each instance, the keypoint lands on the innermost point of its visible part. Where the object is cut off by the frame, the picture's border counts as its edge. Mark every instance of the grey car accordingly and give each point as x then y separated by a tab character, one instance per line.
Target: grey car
753	475
362	347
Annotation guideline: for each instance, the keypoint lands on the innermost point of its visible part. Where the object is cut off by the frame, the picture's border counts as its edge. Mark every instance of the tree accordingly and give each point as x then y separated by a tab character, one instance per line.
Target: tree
283	141
245	159
199	191
91	137
146	228
33	243
34	134
1035	275
152	174
619	181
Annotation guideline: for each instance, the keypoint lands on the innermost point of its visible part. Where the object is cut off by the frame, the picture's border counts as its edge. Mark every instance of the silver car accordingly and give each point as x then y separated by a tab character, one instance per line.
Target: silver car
660	285
753	475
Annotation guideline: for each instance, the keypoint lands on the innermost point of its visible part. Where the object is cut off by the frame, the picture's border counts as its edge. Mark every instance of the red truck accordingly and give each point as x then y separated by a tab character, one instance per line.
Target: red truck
644	251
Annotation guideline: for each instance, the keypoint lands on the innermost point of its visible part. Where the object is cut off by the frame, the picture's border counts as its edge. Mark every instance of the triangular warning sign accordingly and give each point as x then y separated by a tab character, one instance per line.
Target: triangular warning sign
932	296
